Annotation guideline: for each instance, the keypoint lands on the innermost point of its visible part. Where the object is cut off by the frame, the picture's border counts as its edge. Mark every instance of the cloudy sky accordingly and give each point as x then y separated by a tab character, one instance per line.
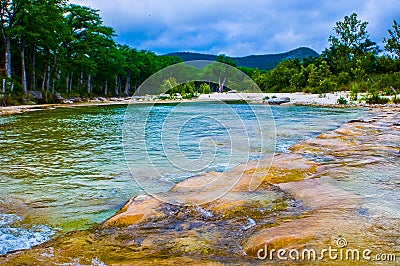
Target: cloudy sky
237	27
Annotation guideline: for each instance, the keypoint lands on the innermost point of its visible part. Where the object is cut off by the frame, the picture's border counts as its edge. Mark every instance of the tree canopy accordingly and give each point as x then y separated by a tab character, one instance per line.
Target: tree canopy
51	47
352	62
393	43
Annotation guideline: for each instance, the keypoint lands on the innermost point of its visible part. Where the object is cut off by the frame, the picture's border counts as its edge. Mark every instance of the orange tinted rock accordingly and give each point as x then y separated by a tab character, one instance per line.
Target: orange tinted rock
136	210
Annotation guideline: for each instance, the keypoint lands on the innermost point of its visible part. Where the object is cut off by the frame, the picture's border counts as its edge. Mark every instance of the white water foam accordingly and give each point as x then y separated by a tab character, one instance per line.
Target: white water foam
16	237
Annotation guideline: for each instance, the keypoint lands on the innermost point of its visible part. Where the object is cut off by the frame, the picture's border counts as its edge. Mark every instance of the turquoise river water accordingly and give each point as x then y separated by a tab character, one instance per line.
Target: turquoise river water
65	169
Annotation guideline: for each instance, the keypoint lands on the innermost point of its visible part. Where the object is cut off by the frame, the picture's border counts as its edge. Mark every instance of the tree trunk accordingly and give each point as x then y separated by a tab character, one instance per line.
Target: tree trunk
34	70
48	77
67	84
3	93
116	86
106	88
8	57
127	85
70	82
23	70
221	84
44	79
81	80
57	74
89	85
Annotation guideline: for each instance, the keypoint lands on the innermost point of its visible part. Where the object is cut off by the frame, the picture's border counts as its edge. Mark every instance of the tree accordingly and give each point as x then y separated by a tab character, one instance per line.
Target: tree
226	60
351	47
352	33
67	49
89	38
393	43
42	29
279	79
223	70
169	84
10	11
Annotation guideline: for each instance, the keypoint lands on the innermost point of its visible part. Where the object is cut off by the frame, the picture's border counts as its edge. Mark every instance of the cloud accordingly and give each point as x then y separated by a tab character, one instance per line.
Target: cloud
237	27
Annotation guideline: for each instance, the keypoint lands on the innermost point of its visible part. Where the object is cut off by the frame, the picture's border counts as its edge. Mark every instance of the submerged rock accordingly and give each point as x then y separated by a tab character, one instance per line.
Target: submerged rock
288	201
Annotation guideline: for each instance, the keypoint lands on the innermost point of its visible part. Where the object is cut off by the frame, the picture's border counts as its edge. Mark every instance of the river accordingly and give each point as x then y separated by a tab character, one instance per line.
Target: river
65	169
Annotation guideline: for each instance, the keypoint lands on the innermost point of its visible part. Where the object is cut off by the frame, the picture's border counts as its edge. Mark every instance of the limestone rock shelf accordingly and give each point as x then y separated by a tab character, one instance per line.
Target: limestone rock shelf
300	202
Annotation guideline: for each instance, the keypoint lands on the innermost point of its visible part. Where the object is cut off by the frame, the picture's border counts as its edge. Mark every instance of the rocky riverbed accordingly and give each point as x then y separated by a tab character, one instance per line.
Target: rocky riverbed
302	200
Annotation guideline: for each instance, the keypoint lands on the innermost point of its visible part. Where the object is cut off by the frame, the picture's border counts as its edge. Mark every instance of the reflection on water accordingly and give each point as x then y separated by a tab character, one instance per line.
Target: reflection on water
65	169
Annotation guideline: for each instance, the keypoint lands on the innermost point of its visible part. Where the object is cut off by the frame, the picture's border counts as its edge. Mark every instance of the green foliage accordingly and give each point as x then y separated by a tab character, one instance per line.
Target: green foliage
351	51
226	75
188	90
387	64
343	78
169	85
351	33
342	101
350	63
389	83
326	85
226	60
376	99
67	49
205	88
392	45
354	92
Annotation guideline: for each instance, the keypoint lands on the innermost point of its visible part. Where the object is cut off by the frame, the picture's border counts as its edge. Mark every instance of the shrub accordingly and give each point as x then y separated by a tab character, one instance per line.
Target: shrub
354	92
342	101
343	78
205	88
325	86
375	99
307	90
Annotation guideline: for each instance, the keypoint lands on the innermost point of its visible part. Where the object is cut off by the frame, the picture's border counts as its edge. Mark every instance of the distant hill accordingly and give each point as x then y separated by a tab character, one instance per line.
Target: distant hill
264	62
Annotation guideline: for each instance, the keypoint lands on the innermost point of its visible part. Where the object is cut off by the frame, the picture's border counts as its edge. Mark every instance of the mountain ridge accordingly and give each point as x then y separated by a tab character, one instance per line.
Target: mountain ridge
262	62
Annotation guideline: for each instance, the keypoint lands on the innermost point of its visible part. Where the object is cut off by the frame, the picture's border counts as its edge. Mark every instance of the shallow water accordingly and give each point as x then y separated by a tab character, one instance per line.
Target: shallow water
65	169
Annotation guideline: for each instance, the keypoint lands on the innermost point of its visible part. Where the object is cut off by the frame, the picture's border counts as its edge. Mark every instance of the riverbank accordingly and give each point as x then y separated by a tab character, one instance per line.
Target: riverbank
20	109
299	98
302	202
329	99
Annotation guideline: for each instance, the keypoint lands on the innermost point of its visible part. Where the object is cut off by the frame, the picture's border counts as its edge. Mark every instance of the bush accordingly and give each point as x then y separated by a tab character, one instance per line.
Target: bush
343	78
307	90
354	92
375	99
342	101
205	88
325	86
